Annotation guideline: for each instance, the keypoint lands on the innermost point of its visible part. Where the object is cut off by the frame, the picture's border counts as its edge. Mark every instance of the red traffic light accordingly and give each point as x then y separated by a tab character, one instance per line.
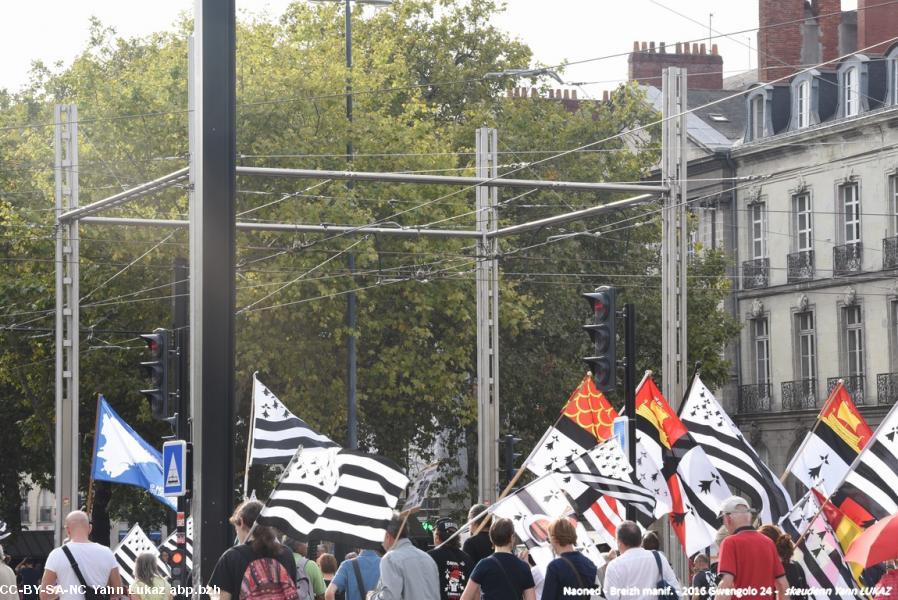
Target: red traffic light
176	558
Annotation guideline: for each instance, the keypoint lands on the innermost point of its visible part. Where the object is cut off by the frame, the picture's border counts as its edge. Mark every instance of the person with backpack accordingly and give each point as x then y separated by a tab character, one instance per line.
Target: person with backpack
355	577
260	569
501	575
571	569
309	582
80	564
637	572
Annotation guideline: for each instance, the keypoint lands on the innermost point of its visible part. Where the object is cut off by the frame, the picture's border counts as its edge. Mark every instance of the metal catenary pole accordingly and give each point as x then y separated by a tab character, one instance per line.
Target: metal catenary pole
67	315
673	249
487	292
630	388
212	285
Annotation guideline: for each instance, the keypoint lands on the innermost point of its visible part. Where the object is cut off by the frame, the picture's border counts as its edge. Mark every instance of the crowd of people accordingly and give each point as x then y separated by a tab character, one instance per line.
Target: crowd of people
746	562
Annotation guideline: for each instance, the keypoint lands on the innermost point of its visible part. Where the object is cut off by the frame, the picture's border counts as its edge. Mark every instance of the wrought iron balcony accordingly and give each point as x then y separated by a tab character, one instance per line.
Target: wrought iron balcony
887	388
854	384
848	258
754	398
800	266
890	253
755	273
800	394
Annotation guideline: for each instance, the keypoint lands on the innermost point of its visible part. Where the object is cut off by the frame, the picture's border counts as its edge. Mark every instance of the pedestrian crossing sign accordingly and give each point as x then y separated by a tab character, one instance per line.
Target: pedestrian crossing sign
174	461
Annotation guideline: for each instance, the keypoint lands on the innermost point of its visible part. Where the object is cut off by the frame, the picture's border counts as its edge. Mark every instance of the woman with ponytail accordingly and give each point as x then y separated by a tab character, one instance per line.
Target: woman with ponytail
262	550
785	548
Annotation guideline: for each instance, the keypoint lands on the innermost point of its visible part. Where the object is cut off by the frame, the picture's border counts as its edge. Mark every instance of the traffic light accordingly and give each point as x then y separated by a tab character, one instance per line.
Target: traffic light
177	563
156	370
603	332
510	456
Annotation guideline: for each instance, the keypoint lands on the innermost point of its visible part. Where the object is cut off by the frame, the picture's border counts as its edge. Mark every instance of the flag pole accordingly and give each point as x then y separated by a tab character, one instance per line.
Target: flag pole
851	467
90	484
523	467
811	432
249	438
283	474
695	374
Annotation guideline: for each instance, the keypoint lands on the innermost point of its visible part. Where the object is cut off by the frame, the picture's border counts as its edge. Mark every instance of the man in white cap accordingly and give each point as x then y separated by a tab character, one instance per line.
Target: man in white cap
749	564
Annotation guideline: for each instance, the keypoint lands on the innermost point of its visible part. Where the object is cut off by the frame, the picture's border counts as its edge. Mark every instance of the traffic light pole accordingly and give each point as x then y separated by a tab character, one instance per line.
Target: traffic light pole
630	389
181	302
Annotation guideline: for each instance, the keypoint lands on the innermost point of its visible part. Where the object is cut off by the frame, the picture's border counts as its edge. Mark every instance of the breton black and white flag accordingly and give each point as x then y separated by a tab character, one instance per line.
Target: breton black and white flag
730	452
342	496
828	575
873	481
133	545
276	432
171	543
605	471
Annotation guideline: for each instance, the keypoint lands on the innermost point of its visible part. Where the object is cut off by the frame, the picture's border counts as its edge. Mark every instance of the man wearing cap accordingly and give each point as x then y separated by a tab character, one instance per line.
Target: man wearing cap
749	566
454	565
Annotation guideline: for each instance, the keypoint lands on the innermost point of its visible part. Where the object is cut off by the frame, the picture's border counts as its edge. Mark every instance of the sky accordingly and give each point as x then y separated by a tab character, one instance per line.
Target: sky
556	30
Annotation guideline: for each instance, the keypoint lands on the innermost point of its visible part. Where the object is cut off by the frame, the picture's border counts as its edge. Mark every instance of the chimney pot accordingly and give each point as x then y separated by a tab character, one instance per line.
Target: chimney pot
635	46
565	94
695	48
679	48
651	46
605	97
702	49
573	94
714	49
645	46
663	48
534	93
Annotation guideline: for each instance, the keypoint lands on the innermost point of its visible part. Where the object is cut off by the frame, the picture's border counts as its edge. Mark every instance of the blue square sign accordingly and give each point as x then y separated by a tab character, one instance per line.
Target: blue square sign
174	468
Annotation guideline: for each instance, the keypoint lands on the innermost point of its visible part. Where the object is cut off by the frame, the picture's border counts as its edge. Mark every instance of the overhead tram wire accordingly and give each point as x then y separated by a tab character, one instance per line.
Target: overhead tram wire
172	111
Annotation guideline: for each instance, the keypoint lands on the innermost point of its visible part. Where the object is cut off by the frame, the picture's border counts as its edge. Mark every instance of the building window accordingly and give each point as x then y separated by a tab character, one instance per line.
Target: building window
804	104
45	514
852	92
893	67
853	333
758	230
804	234
807	345
761	340
893	202
24	514
851	213
893	334
757	117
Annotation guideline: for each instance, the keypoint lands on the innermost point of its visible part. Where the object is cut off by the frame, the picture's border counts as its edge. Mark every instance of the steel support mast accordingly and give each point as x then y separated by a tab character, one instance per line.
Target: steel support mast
673	249
67	315
487	290
212	290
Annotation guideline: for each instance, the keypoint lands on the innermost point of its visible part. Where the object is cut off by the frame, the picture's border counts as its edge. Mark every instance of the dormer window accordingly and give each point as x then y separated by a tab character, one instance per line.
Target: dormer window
804	104
851	92
757	117
892	76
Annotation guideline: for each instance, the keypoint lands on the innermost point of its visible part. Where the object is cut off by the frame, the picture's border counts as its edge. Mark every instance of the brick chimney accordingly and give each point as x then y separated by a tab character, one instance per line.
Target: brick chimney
829	18
779	37
876	21
648	61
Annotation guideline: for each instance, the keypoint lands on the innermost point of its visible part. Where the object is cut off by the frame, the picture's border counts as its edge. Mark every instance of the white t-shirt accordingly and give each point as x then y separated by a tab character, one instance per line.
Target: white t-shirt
635	572
96	562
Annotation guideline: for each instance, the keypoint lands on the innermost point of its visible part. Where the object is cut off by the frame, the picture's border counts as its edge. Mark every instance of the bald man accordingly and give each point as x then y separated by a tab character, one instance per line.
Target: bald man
96	564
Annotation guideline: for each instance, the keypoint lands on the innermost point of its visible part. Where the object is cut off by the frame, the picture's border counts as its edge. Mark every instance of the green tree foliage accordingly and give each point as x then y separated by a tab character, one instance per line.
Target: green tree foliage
419	94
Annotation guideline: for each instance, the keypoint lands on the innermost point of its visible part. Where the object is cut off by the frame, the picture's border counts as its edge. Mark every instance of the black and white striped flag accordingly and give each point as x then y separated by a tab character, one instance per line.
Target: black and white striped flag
827	573
872	481
276	432
730	452
342	496
605	471
171	543
133	545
